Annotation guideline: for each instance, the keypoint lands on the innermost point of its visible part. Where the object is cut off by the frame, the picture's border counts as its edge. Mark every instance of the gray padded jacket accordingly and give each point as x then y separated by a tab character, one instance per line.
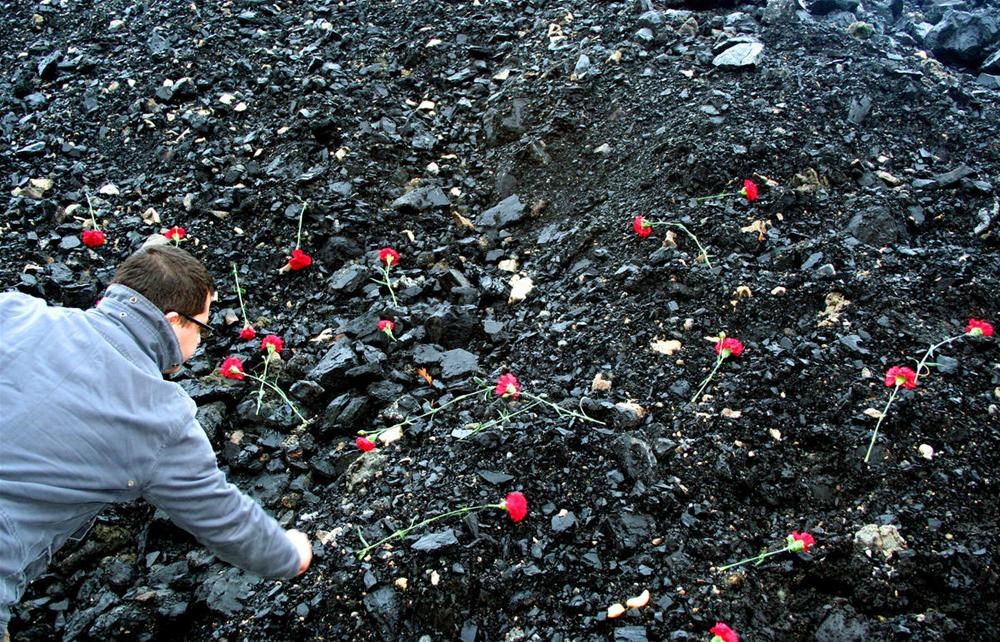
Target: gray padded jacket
87	419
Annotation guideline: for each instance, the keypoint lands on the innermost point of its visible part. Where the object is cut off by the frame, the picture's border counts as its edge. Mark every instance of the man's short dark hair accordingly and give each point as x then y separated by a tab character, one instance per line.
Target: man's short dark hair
169	277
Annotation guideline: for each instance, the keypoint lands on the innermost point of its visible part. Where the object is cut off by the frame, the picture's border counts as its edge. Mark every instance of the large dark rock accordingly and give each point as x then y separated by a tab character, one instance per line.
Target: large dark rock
963	37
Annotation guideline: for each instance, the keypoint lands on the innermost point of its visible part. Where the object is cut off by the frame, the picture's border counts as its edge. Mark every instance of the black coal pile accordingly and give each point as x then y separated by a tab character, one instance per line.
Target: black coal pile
503	147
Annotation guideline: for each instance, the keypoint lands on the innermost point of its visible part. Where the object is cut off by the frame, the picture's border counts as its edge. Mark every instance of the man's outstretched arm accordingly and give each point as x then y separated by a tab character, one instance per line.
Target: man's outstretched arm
188	485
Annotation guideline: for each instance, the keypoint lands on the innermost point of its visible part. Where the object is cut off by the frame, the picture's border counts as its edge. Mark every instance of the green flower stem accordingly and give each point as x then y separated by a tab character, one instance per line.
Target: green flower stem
694	238
281	393
298	237
90	206
718	362
922	364
239	293
757	558
562	412
430	413
386	282
502	419
723	194
403	532
260	393
879	423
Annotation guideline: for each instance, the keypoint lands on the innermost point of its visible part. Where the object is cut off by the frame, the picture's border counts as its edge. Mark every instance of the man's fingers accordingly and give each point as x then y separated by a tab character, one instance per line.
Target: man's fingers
301	542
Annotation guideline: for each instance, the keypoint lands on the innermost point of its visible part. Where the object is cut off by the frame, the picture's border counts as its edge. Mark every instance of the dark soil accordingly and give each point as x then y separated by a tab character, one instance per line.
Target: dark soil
878	169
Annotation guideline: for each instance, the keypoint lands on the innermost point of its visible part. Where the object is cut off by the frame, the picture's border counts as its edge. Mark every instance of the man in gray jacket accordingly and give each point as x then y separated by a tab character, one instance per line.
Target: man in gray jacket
87	419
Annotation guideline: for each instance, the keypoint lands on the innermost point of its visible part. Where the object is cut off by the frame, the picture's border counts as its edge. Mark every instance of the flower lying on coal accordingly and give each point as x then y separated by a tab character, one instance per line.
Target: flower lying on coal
247	333
644	227
977	328
386	327
515	504
508	386
299	259
175	234
387	258
504	394
94	237
898	377
271	345
796	542
725	347
232	368
364	444
749	192
722	633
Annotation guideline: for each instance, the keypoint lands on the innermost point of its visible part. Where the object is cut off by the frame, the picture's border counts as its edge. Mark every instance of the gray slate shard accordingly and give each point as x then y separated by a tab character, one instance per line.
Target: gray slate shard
337	360
435	541
859	109
422	199
745	54
458	363
992	63
348	278
509	210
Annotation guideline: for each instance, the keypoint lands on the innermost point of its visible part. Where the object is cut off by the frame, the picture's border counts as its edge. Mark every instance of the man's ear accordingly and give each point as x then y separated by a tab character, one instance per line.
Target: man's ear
173	318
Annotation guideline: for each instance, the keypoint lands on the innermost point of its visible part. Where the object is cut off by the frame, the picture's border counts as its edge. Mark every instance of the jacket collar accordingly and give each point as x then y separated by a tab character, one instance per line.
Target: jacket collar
145	323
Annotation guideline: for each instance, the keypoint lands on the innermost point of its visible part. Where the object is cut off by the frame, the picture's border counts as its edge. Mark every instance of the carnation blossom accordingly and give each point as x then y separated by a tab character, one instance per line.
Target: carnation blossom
387	326
979	328
388	256
800	542
749	190
93	238
232	368
272	343
299	260
364	444
176	233
641	226
723	633
508	386
729	347
248	332
901	376
516	505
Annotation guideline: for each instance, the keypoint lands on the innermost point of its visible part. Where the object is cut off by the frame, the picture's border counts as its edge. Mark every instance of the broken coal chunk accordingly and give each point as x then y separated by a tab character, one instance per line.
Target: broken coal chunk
509	210
740	56
458	363
421	199
435	541
563	521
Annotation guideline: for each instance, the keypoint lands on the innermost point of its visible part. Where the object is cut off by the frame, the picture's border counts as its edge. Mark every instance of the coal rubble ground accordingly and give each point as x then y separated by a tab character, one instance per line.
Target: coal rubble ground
486	141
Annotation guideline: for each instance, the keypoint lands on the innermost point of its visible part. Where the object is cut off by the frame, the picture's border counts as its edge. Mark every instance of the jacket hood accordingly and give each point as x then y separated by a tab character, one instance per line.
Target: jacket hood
145	323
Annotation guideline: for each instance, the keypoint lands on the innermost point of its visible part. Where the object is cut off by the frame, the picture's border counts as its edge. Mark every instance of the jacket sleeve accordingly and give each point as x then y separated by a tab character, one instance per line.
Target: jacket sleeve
188	485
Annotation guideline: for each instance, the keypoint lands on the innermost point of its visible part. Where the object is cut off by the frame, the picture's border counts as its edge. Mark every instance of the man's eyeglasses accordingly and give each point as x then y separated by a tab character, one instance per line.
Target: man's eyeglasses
206	330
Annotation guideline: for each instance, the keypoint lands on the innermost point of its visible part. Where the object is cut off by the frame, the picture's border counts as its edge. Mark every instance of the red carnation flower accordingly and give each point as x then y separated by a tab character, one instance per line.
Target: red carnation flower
516	505
176	233
979	328
232	368
641	226
800	542
749	190
386	326
93	238
364	444
901	376
272	343
723	633
508	386
248	333
729	346
299	260
388	256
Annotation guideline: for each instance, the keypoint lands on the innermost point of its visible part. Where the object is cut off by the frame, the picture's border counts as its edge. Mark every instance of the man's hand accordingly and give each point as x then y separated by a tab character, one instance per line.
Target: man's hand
301	541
